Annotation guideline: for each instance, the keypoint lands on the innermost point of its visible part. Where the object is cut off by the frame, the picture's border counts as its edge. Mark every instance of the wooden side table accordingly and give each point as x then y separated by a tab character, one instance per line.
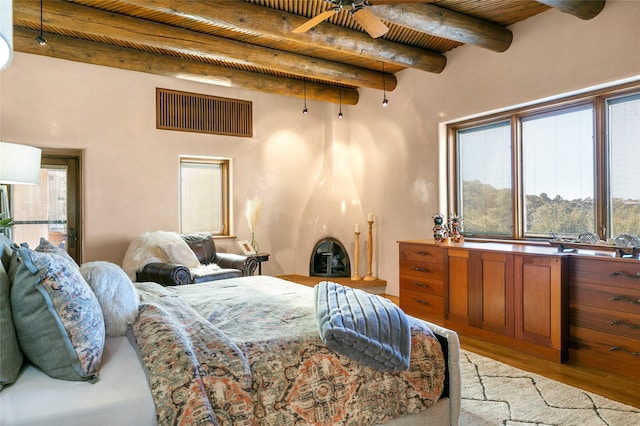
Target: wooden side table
261	257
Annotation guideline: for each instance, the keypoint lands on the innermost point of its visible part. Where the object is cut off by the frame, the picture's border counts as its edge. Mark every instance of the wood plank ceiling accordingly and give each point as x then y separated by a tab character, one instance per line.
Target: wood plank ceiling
250	44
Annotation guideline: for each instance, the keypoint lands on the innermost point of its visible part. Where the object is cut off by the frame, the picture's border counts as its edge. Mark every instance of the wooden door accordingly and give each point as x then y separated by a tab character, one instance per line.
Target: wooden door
541	302
457	271
52	208
493	308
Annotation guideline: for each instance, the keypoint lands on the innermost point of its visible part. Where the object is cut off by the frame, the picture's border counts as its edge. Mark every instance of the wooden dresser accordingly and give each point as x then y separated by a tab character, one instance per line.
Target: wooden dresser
582	306
421	281
513	295
605	313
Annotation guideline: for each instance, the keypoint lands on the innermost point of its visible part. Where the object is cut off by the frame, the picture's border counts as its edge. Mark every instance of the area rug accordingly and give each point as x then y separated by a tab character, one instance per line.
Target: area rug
494	393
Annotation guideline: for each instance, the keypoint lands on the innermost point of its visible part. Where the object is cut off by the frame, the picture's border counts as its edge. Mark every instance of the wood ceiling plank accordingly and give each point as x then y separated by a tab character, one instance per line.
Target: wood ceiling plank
90	23
95	53
261	22
447	24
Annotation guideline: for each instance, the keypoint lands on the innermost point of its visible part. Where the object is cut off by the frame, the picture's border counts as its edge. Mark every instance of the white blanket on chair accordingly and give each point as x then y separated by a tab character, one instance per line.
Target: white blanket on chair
146	249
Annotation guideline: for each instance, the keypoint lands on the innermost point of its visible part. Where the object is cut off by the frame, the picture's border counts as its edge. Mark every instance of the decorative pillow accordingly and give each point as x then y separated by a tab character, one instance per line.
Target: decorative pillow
5	251
57	317
116	294
180	253
10	354
46	247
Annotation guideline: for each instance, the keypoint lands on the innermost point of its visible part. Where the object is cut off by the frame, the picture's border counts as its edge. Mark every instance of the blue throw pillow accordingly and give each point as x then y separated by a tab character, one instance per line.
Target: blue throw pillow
57	317
10	354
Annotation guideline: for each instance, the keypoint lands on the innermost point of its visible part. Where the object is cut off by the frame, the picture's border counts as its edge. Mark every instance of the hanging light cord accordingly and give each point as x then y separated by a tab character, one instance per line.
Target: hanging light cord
40	39
305	110
385	101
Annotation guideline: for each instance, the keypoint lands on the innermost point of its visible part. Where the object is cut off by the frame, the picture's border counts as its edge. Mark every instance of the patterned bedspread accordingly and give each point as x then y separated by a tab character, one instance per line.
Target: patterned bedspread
247	351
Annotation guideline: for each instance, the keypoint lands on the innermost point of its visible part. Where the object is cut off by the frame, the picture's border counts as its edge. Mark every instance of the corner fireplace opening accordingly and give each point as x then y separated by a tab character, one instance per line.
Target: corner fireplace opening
329	259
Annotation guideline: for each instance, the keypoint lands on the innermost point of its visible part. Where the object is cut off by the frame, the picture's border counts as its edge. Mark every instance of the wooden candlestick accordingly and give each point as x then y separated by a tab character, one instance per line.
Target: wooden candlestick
370	276
356	258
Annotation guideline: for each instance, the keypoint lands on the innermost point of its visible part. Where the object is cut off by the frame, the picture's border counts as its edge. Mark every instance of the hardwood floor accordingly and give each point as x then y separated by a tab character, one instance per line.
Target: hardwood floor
610	386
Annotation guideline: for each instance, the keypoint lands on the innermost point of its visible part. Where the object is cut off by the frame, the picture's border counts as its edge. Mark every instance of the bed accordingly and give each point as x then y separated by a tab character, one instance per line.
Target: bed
243	333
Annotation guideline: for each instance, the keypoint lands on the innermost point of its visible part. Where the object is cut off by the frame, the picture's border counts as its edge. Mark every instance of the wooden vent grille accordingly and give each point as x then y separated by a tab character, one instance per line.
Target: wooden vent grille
192	112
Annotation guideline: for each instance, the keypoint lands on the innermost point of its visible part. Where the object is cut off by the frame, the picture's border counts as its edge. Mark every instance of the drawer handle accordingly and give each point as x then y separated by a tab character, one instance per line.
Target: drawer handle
419	284
419	269
620	348
424	302
624	299
626	324
624	274
423	253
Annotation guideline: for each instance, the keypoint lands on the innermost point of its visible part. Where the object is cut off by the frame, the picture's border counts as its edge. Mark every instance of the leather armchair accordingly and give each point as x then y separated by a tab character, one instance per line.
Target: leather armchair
169	274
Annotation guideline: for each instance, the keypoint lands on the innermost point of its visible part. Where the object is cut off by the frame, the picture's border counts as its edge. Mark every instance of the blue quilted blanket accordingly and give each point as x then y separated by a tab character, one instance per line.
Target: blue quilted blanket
365	327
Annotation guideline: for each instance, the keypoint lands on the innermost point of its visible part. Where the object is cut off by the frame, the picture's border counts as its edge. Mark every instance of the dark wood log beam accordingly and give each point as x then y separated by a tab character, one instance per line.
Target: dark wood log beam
447	24
89	52
246	18
583	9
89	23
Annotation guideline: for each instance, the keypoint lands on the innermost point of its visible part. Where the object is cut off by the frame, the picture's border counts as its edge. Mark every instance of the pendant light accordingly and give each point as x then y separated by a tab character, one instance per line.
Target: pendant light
6	33
305	110
385	101
340	113
40	38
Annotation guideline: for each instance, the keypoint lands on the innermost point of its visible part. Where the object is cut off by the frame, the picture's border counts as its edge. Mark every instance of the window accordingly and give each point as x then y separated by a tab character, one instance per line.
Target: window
484	158
204	195
623	116
565	168
558	174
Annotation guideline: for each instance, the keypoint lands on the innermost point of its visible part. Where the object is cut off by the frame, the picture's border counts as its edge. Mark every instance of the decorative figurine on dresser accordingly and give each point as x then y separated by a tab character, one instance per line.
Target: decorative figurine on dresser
439	227
455	228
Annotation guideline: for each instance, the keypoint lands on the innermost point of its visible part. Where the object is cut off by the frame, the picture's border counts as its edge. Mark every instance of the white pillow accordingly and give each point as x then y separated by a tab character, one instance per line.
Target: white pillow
180	253
115	293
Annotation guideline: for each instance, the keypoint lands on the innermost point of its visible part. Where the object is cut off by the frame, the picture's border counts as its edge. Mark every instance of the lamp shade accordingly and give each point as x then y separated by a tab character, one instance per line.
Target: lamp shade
6	32
19	164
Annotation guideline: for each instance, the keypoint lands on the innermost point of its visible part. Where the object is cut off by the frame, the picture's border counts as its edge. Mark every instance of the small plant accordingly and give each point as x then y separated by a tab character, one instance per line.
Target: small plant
5	222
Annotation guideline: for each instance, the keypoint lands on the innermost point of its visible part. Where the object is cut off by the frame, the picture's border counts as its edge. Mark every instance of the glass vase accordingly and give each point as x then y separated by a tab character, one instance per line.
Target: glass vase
254	243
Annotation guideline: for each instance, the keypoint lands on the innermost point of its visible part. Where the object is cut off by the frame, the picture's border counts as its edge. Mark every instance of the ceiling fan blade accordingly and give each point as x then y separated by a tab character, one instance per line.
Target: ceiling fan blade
316	20
370	22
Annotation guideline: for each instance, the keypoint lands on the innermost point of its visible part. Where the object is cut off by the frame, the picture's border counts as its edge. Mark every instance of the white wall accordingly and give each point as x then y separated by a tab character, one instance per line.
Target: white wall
317	175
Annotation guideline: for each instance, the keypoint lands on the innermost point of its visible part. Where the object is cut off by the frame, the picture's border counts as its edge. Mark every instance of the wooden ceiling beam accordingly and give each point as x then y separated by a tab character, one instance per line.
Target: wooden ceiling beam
95	53
66	18
582	9
247	18
445	23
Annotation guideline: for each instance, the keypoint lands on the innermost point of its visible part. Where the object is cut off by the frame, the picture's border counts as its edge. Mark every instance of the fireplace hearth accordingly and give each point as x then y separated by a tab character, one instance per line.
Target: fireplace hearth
329	258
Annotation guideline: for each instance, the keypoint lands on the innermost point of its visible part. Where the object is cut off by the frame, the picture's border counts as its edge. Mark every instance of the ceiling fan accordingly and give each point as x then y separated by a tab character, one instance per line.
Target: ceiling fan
358	9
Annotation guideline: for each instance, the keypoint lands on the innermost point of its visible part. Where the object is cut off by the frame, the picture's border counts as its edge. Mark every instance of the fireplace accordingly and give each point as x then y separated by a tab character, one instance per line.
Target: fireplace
329	259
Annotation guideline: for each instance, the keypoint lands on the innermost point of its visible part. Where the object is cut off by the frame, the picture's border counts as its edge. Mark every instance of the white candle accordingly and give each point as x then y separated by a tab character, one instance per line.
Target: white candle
357	227
370	217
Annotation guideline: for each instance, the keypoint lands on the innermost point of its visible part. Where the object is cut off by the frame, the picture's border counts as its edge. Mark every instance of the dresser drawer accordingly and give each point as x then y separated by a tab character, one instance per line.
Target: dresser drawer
606	297
420	305
609	272
420	270
605	351
422	285
618	323
420	253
